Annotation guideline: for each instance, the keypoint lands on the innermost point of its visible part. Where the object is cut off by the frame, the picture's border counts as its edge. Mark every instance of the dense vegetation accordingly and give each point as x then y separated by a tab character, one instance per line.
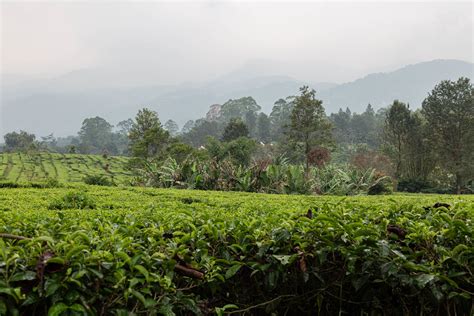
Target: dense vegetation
427	150
90	250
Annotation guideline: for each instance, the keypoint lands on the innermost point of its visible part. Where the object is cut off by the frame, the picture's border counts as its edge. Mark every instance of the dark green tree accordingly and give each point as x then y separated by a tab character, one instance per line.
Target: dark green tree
239	151
342	126
396	133
309	125
147	136
234	129
449	112
419	158
363	128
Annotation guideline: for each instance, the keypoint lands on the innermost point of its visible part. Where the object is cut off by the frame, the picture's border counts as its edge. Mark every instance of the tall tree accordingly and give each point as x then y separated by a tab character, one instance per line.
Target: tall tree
250	119
95	135
264	128
147	136
309	125
234	129
342	126
363	127
280	118
449	111
396	132
238	108
418	159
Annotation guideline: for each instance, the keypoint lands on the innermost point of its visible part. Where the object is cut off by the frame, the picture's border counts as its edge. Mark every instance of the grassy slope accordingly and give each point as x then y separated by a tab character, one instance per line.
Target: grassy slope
22	167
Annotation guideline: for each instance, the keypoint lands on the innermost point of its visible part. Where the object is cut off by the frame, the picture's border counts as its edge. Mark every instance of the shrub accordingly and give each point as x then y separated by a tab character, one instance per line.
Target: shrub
51	183
97	180
73	200
48	183
9	184
381	187
413	185
319	156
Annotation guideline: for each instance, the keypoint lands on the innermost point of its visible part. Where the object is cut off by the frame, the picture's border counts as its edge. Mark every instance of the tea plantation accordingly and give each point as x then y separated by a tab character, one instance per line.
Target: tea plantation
89	250
38	167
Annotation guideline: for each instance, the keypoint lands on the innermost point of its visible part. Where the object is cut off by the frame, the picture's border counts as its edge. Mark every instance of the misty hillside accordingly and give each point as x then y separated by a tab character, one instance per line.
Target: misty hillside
409	84
60	104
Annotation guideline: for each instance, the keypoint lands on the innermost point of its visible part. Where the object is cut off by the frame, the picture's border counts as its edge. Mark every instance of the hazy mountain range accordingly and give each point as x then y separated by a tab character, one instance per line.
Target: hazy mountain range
58	105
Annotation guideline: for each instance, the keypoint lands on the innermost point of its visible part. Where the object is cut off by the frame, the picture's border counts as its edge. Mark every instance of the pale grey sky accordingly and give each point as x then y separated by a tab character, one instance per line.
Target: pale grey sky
171	42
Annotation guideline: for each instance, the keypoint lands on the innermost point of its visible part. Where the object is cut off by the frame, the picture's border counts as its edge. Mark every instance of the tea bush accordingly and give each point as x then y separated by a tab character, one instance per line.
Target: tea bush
165	251
73	200
97	180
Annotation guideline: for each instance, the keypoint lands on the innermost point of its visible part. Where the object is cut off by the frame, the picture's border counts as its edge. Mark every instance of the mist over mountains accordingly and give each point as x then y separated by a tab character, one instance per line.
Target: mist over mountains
59	105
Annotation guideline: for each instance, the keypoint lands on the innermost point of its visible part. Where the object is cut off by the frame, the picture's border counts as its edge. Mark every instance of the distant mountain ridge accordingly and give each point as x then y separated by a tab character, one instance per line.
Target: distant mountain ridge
60	104
409	84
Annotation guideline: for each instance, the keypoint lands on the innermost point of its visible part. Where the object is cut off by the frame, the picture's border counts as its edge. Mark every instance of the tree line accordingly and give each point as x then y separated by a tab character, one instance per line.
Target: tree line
429	149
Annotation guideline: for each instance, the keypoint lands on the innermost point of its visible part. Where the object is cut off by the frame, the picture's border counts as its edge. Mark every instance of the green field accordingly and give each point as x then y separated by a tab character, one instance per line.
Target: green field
136	251
37	167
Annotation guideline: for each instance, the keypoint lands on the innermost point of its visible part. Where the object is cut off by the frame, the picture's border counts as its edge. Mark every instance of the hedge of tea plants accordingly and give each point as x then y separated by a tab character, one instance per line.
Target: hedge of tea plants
92	250
23	169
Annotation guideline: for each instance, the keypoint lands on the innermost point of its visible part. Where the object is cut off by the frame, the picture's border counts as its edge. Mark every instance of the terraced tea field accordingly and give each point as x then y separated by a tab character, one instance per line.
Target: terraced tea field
37	167
90	250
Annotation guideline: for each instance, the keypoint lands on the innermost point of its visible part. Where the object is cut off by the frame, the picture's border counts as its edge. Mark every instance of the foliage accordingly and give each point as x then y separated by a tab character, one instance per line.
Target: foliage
449	111
364	159
45	184
73	200
234	129
309	126
148	251
147	136
201	130
96	136
412	185
352	128
319	156
264	126
397	131
226	172
178	151
97	180
172	127
238	108
21	141
280	119
239	150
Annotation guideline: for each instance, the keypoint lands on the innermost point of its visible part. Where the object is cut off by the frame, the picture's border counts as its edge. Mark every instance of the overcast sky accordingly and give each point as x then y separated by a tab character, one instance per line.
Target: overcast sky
198	41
